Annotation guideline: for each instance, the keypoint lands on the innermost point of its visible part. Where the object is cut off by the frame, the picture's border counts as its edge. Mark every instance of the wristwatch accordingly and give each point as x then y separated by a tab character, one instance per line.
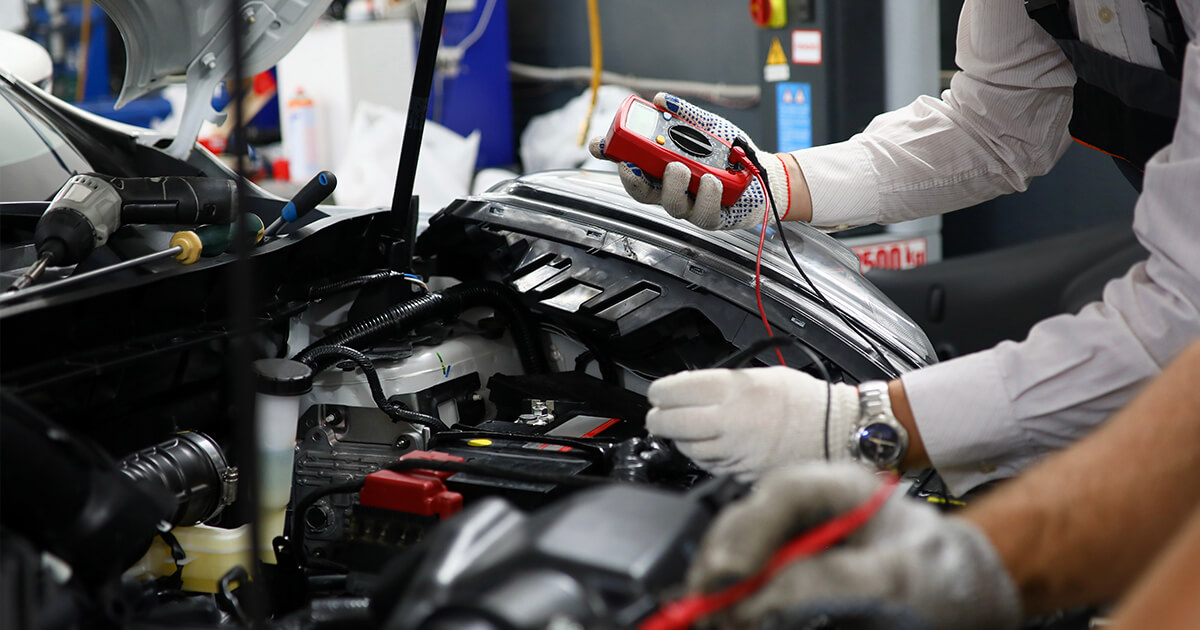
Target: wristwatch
878	438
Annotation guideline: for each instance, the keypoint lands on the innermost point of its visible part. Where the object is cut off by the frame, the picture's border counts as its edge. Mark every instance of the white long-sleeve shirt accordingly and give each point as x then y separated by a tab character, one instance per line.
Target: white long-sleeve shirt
1002	122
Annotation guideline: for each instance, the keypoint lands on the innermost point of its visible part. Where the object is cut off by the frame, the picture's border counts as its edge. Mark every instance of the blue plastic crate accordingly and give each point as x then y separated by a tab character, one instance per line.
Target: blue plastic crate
480	97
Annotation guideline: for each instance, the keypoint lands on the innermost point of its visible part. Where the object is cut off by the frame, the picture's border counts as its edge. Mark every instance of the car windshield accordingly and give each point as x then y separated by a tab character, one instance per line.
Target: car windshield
35	159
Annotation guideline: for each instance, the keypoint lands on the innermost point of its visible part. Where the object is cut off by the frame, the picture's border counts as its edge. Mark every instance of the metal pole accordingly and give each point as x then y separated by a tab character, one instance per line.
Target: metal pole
242	308
418	108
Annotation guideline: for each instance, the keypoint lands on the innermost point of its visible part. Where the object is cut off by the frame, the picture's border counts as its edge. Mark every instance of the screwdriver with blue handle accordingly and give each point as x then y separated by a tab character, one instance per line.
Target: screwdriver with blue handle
314	192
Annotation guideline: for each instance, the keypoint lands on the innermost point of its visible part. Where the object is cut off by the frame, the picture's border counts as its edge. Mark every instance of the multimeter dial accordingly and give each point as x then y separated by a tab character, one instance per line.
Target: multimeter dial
691	140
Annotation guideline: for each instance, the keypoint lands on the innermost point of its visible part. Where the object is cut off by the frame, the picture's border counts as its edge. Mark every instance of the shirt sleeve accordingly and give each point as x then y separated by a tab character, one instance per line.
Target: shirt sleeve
990	414
1002	122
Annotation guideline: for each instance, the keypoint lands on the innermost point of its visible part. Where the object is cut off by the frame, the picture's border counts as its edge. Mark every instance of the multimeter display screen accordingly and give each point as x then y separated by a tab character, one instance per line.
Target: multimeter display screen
642	119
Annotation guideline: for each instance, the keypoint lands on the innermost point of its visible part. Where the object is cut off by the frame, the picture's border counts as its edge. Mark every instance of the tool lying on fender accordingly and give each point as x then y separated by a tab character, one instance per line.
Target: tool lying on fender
186	246
90	207
314	192
683	613
651	138
211	240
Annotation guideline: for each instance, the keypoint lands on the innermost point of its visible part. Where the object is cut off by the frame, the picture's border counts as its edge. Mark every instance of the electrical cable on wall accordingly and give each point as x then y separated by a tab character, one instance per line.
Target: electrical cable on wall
724	94
597	67
485	18
85	42
449	58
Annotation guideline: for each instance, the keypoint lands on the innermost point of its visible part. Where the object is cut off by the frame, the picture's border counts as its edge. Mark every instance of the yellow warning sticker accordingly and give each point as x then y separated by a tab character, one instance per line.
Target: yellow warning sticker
775	55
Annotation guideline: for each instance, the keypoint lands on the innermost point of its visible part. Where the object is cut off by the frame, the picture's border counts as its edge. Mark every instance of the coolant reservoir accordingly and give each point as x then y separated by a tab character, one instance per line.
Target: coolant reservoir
211	553
427	368
281	383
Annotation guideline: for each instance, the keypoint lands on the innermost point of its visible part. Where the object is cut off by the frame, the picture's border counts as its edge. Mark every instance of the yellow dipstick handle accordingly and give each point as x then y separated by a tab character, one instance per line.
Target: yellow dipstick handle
190	245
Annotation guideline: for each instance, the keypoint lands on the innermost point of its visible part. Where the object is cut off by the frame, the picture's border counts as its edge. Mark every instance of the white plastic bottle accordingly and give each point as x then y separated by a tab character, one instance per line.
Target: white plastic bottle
300	137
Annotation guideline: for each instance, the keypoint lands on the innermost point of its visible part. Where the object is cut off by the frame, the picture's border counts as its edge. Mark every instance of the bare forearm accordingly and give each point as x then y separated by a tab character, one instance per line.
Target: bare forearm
1081	526
1164	598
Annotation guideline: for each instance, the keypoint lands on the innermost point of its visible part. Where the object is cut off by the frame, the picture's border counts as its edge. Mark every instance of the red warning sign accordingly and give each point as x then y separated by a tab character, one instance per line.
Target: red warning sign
806	47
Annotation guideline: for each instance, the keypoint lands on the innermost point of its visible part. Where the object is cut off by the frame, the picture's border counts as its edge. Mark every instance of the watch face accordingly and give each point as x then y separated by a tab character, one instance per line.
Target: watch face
879	443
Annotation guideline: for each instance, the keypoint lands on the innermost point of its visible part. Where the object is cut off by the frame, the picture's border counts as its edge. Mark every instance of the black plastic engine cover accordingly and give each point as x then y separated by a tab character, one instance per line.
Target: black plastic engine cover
600	558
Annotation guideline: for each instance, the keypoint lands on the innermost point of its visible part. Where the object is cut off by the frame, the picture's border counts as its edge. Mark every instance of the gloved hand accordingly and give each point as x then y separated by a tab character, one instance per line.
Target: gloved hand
742	422
942	568
705	209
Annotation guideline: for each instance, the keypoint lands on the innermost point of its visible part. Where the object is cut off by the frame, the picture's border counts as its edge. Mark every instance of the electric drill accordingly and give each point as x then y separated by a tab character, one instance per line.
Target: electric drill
90	207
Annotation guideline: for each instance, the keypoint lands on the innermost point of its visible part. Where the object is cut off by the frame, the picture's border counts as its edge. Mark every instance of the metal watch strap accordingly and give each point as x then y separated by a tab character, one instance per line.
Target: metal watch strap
873	399
878	438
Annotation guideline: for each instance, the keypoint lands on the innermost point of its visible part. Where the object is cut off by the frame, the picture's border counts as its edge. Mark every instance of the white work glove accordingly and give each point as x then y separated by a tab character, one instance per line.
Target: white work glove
704	209
942	568
743	422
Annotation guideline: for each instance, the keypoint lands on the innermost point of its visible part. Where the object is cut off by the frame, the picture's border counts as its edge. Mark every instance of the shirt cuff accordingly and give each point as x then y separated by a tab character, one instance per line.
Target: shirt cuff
842	185
966	421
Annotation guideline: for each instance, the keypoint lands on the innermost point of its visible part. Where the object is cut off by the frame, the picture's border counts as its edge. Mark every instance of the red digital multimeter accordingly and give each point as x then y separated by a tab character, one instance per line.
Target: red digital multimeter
652	138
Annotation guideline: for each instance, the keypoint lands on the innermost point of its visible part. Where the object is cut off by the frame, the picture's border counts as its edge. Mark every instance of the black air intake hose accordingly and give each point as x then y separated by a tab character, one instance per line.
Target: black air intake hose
70	499
446	304
192	467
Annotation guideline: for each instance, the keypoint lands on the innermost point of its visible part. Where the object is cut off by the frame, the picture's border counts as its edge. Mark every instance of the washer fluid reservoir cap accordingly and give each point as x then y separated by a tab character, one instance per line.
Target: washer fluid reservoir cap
283	377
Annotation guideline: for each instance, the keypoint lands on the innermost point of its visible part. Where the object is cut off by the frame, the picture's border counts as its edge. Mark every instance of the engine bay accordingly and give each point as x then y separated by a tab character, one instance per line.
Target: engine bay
466	436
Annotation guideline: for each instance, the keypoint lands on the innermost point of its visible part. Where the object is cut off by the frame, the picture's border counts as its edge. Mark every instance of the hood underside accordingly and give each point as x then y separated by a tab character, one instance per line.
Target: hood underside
172	41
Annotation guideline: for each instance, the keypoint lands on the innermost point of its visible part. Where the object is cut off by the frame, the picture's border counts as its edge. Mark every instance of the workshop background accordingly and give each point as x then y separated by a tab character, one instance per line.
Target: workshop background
512	89
713	42
673	39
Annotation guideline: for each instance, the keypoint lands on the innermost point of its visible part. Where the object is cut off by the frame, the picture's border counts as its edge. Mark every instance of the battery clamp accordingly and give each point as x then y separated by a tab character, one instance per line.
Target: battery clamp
652	138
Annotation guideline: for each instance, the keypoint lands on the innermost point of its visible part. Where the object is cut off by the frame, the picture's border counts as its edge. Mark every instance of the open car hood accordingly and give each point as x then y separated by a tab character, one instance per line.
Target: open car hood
583	220
170	41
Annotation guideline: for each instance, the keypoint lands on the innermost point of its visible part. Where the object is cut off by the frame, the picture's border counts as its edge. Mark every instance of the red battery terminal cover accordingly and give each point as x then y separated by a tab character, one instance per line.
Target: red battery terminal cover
652	138
420	492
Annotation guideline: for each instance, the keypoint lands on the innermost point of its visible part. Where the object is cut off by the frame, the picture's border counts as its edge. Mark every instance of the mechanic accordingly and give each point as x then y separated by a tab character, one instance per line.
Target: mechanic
1109	71
1083	527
